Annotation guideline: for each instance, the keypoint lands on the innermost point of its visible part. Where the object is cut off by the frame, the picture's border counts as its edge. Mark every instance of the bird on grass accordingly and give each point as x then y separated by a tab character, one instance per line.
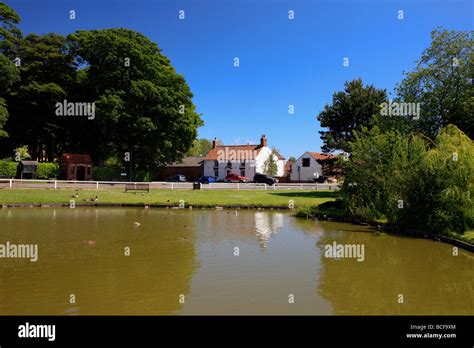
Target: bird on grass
136	224
92	199
76	194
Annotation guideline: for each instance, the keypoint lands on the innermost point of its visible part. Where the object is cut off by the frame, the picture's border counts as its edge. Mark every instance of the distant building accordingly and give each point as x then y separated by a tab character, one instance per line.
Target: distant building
245	160
310	166
190	167
27	169
75	167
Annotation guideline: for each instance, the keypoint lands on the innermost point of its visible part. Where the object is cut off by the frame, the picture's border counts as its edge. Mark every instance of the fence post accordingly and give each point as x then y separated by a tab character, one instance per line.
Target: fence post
55	184
171	185
11	183
274	186
301	186
238	187
97	185
265	186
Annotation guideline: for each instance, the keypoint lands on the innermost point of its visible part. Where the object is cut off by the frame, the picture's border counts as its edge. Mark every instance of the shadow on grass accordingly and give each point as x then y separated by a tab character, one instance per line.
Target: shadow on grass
312	194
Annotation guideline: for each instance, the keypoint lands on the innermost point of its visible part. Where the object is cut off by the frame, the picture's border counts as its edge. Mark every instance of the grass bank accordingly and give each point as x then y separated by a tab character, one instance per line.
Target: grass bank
243	198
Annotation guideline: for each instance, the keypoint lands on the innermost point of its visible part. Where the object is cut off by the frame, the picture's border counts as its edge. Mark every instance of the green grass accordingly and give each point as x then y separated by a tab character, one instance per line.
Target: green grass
172	197
467	236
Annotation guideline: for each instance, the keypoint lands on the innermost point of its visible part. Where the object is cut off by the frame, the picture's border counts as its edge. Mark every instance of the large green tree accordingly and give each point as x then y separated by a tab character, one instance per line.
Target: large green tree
200	147
9	38
10	34
442	83
142	105
8	76
351	109
47	73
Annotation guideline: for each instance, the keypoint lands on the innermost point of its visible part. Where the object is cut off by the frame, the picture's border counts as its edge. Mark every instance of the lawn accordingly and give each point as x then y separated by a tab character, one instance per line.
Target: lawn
170	197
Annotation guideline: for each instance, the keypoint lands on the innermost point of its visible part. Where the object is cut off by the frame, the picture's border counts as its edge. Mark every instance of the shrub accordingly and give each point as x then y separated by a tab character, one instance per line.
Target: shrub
141	175
47	170
112	173
8	169
411	182
106	173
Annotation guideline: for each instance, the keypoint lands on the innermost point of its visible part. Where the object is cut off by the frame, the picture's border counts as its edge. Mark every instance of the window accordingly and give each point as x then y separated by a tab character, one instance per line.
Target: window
242	172
216	164
242	164
306	162
216	173
229	164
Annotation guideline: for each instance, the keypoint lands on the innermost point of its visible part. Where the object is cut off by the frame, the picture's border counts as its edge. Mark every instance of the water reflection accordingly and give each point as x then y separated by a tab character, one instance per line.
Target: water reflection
267	225
191	253
431	280
82	252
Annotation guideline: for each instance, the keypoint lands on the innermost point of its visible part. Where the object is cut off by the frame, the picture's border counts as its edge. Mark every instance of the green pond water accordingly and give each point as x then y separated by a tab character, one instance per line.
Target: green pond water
184	262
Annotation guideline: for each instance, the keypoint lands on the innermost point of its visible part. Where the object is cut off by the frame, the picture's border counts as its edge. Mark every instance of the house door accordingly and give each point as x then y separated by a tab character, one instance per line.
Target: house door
81	173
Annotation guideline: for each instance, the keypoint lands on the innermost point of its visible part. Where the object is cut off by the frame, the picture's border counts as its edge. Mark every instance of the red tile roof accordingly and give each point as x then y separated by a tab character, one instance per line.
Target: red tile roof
321	156
236	152
75	158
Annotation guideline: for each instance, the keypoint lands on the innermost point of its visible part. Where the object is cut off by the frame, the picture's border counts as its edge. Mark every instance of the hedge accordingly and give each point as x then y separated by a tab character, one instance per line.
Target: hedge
112	173
47	170
8	169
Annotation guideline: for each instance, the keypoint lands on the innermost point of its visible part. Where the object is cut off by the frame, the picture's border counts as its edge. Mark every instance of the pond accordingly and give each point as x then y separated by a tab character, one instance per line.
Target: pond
98	261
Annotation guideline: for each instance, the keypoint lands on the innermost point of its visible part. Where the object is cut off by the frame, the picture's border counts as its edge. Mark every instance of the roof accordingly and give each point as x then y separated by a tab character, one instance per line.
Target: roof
233	152
321	156
187	162
29	163
236	152
76	158
280	157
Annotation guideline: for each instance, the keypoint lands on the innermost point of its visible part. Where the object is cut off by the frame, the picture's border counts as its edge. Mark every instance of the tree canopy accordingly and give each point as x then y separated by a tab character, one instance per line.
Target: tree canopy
351	109
442	83
142	105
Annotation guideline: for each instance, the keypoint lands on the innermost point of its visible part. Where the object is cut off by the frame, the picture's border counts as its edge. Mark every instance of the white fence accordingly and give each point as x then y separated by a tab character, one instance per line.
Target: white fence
97	185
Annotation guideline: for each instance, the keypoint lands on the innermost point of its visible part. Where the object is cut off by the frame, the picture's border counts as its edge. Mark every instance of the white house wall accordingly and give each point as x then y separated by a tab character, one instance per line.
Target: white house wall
306	174
235	169
251	167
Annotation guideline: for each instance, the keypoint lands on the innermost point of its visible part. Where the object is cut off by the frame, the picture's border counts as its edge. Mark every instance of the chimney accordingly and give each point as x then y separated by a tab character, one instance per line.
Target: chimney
214	143
263	141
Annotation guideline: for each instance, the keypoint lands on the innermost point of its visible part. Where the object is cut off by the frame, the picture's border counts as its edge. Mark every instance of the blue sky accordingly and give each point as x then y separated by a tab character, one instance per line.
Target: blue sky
282	61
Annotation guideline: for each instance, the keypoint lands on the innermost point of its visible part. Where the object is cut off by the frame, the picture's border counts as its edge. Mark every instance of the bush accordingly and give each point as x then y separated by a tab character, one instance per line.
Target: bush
141	175
112	173
330	209
411	182
47	170
8	169
106	173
